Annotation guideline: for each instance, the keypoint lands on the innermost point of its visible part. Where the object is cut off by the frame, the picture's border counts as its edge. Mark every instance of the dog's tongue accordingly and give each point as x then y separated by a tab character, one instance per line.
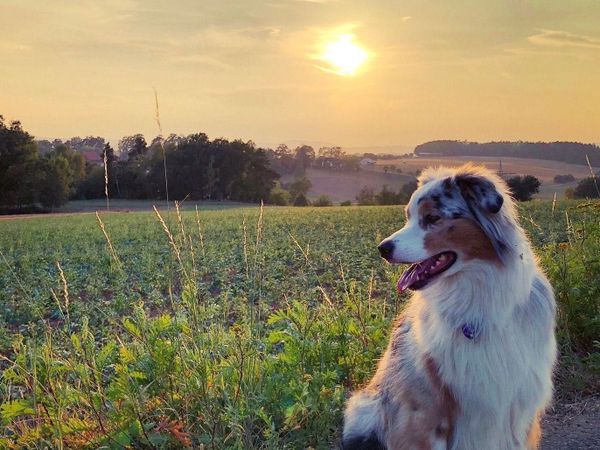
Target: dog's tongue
409	277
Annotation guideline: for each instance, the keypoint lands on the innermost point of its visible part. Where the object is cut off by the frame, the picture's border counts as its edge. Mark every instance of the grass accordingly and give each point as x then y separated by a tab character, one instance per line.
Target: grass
140	205
235	328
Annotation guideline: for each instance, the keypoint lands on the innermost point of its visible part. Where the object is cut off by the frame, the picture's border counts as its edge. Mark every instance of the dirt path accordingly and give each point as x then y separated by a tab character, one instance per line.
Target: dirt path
574	426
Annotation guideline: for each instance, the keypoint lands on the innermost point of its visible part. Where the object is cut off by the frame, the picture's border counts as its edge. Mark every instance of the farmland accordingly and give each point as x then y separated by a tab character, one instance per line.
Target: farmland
544	170
231	328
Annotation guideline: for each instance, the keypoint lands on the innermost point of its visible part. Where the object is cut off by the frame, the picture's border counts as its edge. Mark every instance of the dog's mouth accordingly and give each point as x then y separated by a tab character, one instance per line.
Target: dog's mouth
420	274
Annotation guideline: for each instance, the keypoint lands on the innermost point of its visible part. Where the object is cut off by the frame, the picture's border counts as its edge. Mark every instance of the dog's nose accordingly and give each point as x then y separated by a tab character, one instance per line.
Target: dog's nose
386	248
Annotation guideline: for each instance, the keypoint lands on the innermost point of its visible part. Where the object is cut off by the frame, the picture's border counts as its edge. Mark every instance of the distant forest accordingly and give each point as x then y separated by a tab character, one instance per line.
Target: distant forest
568	152
47	174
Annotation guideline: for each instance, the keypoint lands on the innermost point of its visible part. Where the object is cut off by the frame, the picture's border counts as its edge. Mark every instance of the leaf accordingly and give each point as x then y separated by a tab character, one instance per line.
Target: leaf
131	327
105	354
15	408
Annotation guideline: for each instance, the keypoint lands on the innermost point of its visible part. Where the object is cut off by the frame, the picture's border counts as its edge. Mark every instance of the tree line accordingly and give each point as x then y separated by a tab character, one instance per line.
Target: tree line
568	152
47	175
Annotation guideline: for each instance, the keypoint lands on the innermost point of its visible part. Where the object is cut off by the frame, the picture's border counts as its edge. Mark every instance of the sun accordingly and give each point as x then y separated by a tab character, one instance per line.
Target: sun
344	56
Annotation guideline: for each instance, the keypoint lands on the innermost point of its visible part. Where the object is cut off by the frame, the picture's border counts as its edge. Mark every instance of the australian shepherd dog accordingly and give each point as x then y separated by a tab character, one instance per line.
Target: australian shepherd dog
470	359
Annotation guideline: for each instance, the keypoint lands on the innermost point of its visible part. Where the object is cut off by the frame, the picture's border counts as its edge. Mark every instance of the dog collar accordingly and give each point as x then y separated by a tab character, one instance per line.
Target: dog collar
470	331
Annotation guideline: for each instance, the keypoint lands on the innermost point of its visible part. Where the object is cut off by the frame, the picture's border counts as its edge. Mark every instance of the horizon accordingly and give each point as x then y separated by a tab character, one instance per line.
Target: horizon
308	71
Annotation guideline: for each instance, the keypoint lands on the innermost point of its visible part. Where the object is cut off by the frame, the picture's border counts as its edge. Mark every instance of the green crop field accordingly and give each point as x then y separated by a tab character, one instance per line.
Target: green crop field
235	328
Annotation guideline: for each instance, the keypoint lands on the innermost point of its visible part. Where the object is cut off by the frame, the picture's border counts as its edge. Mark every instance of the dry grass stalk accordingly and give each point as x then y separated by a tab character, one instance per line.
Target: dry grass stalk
106	179
111	249
171	241
200	234
160	140
65	288
245	233
180	221
593	175
259	231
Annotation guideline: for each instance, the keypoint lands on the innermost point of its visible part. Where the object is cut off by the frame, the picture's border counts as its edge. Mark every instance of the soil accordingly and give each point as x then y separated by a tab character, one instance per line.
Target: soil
572	426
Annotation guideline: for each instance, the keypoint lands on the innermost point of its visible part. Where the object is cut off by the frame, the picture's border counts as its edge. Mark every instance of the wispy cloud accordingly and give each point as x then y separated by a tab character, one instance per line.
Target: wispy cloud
557	38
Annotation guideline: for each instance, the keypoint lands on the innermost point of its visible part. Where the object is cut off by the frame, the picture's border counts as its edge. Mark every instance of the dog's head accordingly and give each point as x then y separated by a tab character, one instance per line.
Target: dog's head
455	218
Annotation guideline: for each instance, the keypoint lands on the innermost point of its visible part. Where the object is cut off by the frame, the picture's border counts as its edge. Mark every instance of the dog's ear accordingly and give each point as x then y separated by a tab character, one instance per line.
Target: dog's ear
479	193
484	202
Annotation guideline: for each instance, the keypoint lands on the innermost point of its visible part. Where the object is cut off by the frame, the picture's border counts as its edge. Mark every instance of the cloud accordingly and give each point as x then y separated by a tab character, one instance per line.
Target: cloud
406	18
556	38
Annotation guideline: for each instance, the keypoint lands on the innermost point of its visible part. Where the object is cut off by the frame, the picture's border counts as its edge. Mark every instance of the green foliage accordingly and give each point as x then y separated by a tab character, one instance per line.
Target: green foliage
587	188
300	186
301	200
366	196
18	166
244	329
279	196
346	203
562	179
523	187
323	200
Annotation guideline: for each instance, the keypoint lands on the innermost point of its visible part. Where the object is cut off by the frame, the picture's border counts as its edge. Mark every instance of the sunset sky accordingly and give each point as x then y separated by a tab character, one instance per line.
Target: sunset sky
477	70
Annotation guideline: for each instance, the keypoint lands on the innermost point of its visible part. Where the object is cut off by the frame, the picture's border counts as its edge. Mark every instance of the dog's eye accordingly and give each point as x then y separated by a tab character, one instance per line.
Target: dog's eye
431	219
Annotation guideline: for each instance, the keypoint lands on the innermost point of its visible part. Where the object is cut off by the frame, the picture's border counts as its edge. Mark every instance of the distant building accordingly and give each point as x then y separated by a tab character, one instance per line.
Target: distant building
365	162
92	157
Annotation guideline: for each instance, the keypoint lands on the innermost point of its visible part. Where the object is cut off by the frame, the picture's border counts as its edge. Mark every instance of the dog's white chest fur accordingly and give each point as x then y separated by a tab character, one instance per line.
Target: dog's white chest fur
497	374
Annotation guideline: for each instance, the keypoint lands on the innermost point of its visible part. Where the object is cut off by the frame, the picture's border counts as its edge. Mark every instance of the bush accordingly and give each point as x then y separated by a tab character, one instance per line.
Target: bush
279	196
346	203
323	200
587	188
562	179
523	187
301	200
366	196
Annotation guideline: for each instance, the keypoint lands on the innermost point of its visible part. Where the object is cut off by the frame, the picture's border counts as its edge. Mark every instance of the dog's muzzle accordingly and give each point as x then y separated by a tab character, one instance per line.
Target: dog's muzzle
386	249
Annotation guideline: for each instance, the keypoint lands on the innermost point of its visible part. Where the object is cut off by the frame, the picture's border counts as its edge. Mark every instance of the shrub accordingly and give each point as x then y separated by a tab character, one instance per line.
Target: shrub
523	187
323	200
301	200
346	203
587	188
366	196
562	179
279	196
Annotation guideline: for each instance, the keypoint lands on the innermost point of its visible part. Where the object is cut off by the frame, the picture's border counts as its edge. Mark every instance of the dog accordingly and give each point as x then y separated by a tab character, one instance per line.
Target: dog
470	359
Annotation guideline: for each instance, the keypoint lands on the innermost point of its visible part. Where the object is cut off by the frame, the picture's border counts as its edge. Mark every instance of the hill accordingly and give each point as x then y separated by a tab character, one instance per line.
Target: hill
544	170
341	186
569	152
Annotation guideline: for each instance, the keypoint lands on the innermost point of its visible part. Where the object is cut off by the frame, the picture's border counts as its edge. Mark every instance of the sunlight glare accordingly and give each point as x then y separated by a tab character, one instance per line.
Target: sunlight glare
344	56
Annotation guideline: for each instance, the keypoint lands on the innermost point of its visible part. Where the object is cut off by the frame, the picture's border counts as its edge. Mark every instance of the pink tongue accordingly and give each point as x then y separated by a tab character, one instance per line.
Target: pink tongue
408	277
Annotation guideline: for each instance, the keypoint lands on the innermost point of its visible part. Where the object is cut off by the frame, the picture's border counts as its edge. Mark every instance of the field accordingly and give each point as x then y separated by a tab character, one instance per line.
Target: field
236	328
544	170
342	186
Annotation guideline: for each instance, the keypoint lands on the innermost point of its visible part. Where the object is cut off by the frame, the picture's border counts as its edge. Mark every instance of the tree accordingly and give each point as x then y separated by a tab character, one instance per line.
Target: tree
55	181
366	196
300	186
523	187
323	200
279	196
301	200
75	160
18	157
387	197
587	188
304	156
407	190
133	146
562	179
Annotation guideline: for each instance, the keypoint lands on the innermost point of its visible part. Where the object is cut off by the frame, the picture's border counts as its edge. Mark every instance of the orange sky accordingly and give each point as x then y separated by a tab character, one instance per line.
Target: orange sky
478	70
